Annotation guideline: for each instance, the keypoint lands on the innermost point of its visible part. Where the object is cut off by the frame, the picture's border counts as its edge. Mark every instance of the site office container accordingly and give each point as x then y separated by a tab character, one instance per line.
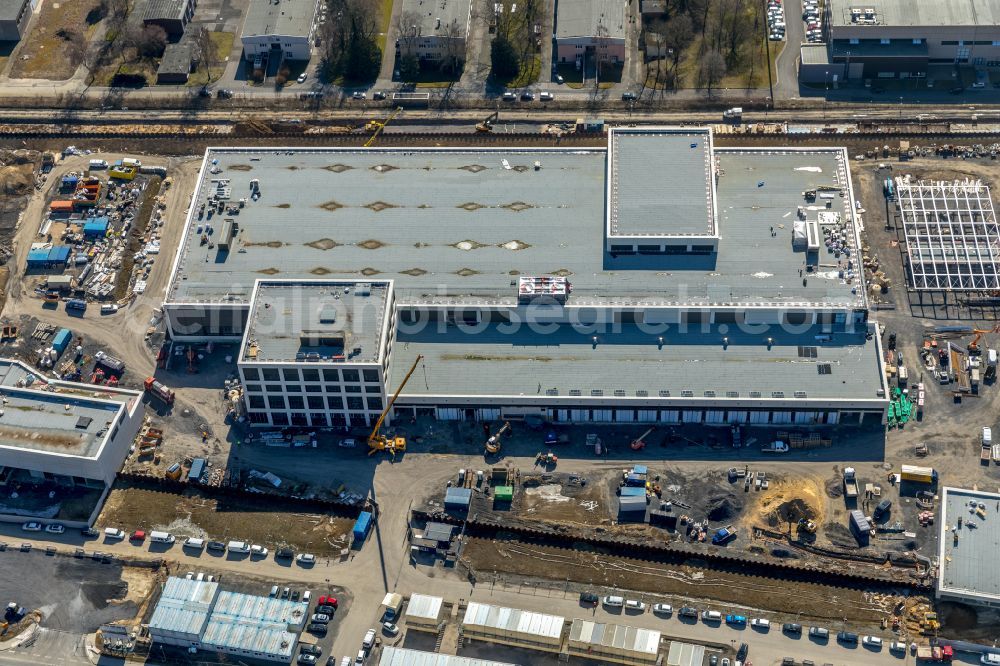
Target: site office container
362	526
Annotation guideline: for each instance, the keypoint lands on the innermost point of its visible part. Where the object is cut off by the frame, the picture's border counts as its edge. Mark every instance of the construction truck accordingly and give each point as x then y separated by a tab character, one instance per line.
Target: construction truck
376	440
154	387
934	654
917	474
850	483
807	526
929	623
724	535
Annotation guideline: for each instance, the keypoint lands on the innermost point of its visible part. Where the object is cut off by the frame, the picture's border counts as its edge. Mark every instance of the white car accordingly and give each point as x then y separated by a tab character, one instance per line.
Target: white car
358	95
305	558
32	526
663	609
760	623
55	528
635	605
872	641
897	646
258	551
302	77
390	628
546	96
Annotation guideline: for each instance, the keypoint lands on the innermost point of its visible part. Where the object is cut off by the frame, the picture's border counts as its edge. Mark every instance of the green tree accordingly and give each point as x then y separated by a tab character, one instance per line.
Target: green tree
504	60
409	68
364	59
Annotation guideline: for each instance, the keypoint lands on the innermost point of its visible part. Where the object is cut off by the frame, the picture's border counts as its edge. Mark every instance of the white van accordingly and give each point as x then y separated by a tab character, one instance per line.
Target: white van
369	640
114	533
711	616
194	544
614	602
161	537
238	547
990	659
98	164
987	437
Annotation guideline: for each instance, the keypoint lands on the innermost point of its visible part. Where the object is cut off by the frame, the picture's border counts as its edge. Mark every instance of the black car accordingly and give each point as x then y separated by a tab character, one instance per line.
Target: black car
284	553
217	546
687	611
306	659
882	509
741	654
792	628
956	91
307	648
325	610
629	97
847	637
589	598
204	92
317	628
527	96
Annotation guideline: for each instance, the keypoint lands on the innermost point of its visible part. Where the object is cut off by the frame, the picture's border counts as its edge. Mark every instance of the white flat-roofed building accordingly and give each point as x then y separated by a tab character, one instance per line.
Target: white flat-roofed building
512	626
61	437
967	556
613	642
394	656
182	612
435	30
423	612
281	29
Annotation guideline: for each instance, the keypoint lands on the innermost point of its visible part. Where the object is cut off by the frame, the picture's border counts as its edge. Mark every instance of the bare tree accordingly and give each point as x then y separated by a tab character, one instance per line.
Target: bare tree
713	68
207	51
454	47
408	32
152	41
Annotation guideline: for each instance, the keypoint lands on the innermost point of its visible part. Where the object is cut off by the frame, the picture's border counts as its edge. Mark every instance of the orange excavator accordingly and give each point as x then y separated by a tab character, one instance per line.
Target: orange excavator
974	345
379	442
639	442
493	443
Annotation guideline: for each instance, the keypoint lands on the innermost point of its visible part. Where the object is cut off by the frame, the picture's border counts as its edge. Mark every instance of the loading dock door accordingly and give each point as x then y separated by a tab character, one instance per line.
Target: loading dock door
580	415
807	417
692	416
647	416
449	414
670	416
488	414
739	417
781	417
760	417
715	416
625	415
602	416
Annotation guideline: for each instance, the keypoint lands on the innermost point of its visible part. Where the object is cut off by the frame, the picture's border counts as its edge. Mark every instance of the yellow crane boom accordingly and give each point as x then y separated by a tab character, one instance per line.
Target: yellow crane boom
378	442
379	126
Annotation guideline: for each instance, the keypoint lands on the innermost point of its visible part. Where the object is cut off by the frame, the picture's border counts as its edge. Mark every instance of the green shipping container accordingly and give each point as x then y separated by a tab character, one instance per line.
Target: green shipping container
504	493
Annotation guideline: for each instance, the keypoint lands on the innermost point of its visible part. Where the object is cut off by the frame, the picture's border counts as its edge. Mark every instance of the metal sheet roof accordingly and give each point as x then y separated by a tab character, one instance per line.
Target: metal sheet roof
685	654
393	656
969	568
905	13
424	606
254	623
628	640
184	607
514	621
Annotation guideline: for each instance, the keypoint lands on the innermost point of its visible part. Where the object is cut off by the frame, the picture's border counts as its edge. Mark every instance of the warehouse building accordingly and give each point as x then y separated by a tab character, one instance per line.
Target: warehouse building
613	642
14	17
512	626
278	30
438	30
732	294
196	614
423	613
968	543
590	31
61	441
897	39
394	656
171	15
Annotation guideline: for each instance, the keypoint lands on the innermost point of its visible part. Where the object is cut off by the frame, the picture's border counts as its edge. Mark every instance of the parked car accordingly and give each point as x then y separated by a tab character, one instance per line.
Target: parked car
741	653
327	601
224	93
882	509
635	605
613	601
390	628
509	97
687	611
138	535
32	526
89	532
819	632
847	637
358	95
216	546
55	528
546	97
663	609
109	308
527	96
760	623
378	94
306	558
736	619
309	648
589	598
369	640
302	77
325	610
872	642
711	616
284	554
629	97
113	533
897	646
258	551
317	628
320	618
559	79
306	658
791	628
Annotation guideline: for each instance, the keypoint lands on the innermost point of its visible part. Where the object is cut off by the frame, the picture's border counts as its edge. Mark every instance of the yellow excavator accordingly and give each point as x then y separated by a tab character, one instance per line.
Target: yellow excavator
379	442
486	125
376	126
493	443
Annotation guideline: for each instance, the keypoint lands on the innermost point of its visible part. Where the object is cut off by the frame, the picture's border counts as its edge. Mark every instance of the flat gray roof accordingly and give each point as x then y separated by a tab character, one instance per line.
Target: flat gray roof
394	656
905	13
176	59
461	225
434	16
814	54
969	568
288	18
164	9
626	362
662	183
11	9
340	321
582	18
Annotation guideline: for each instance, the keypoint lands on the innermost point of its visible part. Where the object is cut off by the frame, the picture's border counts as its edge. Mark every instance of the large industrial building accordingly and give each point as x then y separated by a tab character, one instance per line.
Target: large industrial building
192	613
61	444
897	39
967	547
660	279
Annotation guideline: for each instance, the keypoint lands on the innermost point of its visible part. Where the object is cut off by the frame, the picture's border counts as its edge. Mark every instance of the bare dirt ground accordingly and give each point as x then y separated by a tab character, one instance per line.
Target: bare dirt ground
677	584
194	515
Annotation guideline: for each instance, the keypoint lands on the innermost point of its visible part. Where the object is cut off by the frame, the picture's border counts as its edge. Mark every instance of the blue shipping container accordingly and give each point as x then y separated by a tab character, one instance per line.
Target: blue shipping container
62	340
633	492
197	469
635	480
362	526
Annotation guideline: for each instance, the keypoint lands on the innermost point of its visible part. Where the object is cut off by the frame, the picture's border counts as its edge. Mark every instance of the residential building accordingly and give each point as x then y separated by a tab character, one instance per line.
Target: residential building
279	29
61	444
892	39
590	31
595	285
438	29
171	15
14	15
967	547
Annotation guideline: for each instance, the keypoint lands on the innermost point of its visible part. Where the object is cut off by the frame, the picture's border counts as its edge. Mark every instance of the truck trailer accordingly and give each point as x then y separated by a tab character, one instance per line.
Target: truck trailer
916	474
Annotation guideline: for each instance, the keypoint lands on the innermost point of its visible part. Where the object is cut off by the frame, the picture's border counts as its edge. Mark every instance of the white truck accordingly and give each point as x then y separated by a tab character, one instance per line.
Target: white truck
850	483
735	114
776	446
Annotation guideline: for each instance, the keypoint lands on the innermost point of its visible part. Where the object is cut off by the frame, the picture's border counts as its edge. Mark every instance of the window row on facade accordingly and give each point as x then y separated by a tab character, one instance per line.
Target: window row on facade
330	375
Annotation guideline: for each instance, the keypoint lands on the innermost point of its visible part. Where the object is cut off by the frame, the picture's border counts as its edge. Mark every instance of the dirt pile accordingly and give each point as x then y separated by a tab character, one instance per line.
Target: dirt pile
723	507
791	511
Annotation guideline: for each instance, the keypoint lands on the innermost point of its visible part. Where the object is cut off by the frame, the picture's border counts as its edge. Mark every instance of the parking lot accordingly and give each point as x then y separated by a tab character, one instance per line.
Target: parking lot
73	595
